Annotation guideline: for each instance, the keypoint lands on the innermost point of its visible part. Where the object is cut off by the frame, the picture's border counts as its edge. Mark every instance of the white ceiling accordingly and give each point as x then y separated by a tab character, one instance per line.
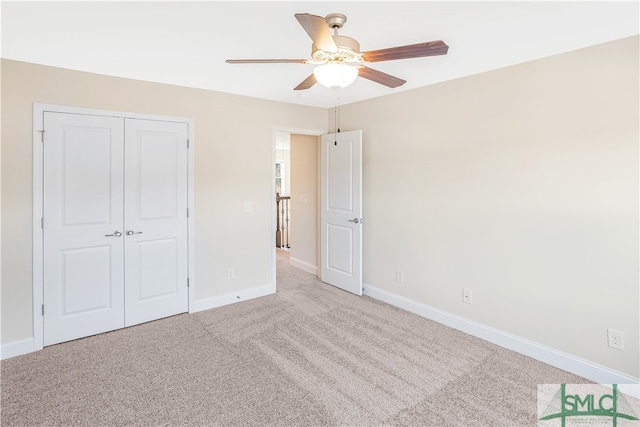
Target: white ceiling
186	43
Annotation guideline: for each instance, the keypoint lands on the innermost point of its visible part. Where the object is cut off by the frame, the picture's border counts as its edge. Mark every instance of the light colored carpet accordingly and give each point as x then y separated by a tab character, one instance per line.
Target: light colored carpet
310	355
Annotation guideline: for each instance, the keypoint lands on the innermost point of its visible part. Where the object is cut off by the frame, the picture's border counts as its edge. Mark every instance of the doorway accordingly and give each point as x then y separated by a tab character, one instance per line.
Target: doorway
301	184
338	159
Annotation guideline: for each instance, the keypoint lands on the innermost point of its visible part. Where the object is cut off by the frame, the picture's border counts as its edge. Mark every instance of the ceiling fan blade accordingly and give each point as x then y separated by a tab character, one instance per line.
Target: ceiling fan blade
266	61
380	77
418	50
307	83
318	30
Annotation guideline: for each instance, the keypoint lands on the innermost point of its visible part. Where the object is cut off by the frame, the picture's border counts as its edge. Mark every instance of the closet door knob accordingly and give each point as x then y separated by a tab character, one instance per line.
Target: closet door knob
115	234
130	232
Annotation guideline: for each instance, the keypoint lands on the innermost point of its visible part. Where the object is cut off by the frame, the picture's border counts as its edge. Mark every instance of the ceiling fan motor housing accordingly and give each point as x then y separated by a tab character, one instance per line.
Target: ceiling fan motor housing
348	51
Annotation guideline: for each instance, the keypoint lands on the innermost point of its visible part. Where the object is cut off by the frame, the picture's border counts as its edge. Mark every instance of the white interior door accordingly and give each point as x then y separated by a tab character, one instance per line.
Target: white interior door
83	226
155	220
341	210
115	246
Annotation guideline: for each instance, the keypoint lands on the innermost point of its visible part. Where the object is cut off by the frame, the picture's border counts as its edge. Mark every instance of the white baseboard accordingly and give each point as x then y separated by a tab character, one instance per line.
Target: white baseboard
581	367
16	348
219	301
302	265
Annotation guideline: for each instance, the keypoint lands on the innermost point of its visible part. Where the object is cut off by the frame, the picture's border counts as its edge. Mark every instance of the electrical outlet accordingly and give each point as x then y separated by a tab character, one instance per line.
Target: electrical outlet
231	274
399	276
615	339
466	296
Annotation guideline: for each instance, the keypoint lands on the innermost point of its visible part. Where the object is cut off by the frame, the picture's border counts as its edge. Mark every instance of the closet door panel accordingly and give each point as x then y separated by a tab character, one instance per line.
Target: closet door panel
155	220
83	255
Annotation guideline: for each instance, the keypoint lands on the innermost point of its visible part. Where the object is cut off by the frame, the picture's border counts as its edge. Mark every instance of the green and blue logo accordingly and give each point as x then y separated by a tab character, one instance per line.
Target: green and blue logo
586	405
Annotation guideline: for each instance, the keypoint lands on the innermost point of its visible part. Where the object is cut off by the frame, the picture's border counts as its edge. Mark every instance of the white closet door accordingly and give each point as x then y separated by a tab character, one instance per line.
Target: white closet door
155	220
83	222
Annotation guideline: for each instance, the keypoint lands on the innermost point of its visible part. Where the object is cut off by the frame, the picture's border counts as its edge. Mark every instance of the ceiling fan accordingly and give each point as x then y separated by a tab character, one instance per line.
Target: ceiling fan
334	52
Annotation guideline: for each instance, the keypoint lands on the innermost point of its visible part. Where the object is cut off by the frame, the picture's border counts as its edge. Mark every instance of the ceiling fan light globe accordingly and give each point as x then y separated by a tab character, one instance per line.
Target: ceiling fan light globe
335	75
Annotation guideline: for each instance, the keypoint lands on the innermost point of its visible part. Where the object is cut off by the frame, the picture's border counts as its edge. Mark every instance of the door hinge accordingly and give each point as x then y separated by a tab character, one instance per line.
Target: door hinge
187	282
42	223
41	135
187	212
43	309
187	143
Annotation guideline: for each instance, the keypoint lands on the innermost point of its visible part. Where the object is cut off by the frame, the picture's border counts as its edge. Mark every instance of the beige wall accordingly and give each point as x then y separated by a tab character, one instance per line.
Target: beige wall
233	164
520	184
304	200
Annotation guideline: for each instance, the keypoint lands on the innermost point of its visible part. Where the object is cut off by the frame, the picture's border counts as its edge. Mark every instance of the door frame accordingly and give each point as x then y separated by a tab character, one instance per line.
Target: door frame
38	186
289	130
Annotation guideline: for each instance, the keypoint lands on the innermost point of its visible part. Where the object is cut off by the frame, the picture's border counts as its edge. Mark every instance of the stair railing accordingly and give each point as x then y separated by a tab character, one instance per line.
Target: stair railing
282	221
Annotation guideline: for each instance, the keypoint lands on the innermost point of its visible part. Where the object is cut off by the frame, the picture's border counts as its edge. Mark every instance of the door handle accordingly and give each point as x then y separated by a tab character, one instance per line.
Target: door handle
356	220
130	232
115	234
